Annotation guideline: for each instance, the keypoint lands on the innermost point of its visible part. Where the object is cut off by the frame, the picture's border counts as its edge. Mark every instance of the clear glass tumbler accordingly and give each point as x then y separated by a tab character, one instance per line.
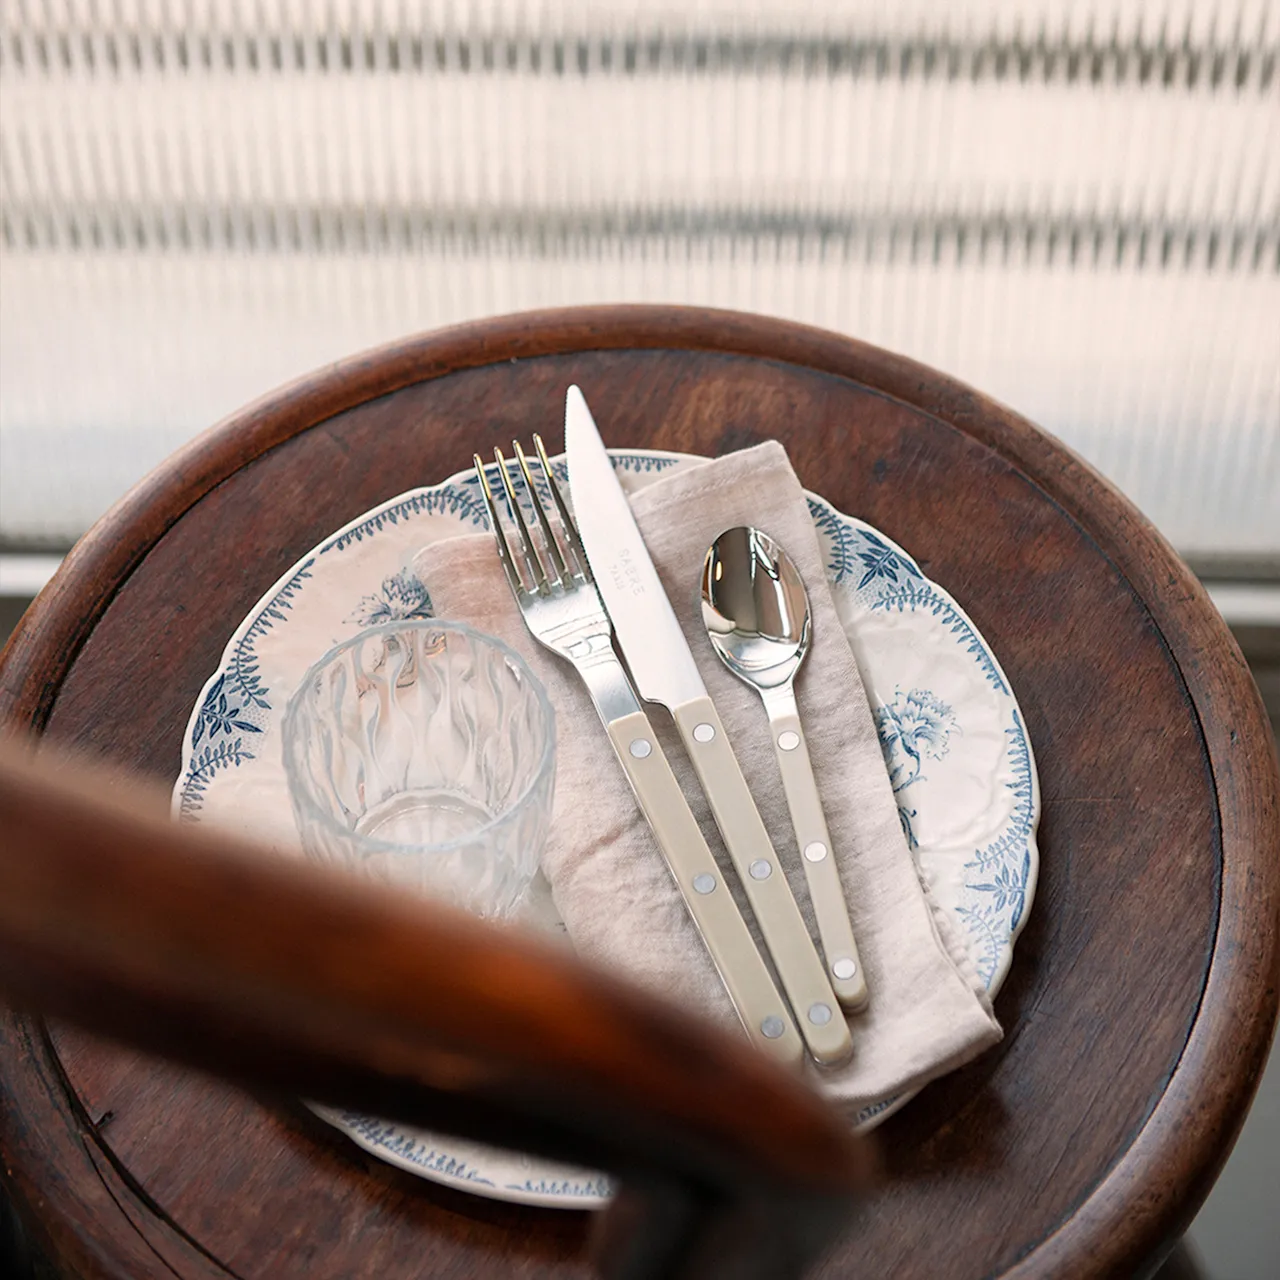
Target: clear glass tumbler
423	753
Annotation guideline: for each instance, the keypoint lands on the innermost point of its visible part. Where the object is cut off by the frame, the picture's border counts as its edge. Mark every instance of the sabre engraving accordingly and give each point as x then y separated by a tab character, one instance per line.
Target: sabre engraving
626	574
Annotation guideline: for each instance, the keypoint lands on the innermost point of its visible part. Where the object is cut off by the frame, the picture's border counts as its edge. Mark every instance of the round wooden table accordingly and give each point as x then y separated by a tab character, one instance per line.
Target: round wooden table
1143	990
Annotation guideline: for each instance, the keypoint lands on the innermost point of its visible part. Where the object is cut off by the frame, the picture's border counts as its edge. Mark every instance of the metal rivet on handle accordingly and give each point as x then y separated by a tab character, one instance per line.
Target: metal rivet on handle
772	1027
703	732
819	1014
640	747
816	851
761	869
704	882
788	740
844	969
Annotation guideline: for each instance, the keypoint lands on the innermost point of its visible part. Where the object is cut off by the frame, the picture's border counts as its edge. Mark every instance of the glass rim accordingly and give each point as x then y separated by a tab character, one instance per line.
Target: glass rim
303	794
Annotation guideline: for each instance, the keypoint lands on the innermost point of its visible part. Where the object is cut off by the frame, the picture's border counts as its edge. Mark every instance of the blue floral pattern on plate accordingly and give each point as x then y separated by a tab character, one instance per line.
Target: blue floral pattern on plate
914	727
954	743
402	597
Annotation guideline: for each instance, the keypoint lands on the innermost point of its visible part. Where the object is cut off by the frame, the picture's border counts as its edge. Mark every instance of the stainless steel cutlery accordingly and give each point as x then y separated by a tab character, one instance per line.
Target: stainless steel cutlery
551	578
664	671
756	611
584	582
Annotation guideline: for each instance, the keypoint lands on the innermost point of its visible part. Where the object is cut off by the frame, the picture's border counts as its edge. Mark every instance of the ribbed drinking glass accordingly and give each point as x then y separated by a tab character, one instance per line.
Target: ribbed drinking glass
423	753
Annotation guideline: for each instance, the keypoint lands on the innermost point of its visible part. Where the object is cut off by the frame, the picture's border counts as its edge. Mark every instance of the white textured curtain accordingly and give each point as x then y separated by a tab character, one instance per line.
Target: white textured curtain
1073	206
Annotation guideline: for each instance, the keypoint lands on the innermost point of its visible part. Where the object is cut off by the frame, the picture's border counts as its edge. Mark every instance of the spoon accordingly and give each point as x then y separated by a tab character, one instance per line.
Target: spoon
756	611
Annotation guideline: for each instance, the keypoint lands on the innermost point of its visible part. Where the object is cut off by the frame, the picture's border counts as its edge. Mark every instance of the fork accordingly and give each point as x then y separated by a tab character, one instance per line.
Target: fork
557	596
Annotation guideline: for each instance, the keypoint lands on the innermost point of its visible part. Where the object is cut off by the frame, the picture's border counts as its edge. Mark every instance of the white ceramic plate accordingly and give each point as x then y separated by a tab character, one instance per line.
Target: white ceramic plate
952	735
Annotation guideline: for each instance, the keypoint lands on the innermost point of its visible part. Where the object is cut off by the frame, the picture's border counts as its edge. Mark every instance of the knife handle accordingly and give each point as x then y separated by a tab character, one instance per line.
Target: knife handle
813	839
803	974
762	1010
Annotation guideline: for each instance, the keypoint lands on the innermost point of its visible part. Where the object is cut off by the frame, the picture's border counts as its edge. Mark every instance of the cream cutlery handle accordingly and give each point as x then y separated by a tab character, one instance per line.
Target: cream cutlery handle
763	1012
795	958
816	853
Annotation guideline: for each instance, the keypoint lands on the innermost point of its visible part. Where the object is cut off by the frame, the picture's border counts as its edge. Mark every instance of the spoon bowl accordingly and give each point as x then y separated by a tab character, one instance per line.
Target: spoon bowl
755	607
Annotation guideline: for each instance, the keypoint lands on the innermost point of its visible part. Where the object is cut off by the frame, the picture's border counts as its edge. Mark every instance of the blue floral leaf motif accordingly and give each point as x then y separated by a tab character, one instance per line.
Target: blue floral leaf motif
460	498
1023	876
929	722
640	463
912	596
593	1187
874	1109
988	936
892	748
207	717
201	771
880	560
221	713
1006	888
904	817
402	596
914	727
878	566
1014	842
391	1138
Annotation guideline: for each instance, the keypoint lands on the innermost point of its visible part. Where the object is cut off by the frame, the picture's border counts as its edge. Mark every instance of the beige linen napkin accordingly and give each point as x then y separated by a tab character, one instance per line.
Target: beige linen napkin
928	1012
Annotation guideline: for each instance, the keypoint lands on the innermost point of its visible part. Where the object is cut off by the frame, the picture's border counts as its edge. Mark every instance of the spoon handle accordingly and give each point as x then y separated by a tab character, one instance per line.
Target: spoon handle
814	841
804	977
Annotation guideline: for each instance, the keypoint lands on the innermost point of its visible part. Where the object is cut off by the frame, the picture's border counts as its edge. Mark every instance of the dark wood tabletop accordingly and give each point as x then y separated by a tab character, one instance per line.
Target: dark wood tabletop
1143	992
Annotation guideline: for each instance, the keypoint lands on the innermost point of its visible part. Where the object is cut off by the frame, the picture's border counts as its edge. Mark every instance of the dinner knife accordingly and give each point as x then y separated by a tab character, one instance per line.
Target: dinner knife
663	670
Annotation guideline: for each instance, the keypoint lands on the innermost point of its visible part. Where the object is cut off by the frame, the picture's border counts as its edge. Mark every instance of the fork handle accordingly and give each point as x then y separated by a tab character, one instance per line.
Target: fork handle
751	988
817	854
803	974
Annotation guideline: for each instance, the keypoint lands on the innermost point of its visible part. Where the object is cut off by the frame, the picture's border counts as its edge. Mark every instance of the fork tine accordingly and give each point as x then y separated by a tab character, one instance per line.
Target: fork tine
530	550
566	519
553	545
499	533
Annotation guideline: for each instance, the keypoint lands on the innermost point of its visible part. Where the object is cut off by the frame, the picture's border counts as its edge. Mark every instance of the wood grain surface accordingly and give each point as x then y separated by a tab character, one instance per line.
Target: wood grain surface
1143	991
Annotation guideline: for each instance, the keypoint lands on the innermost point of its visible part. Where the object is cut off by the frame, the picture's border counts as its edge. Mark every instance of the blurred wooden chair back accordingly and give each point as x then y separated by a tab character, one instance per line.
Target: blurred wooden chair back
276	974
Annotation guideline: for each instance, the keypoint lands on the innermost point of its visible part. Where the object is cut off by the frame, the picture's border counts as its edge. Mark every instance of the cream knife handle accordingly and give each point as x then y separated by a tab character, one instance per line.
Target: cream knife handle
751	988
803	974
816	852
